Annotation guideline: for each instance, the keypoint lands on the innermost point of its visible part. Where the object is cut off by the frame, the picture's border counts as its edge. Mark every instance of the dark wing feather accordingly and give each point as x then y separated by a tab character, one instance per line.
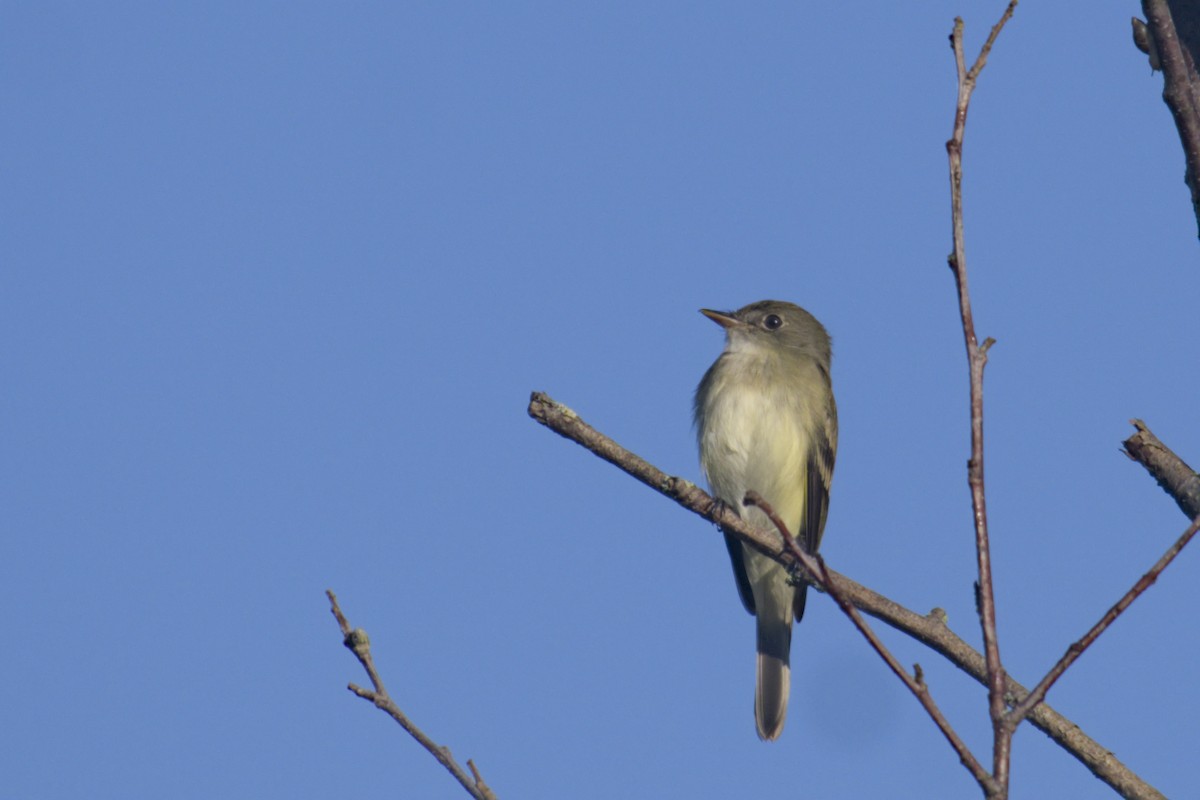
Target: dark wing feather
737	557
818	475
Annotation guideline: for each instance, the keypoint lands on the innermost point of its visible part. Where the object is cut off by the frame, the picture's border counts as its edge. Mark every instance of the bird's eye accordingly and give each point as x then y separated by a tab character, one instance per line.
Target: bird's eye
772	322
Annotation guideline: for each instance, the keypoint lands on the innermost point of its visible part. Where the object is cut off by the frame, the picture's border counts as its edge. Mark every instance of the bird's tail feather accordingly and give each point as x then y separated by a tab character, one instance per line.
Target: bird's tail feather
774	675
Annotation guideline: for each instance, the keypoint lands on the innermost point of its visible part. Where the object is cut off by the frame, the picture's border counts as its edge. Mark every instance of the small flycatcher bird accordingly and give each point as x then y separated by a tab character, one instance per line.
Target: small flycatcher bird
766	420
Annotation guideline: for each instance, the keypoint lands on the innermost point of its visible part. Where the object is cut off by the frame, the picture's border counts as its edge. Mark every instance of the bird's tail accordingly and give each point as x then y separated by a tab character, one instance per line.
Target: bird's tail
774	676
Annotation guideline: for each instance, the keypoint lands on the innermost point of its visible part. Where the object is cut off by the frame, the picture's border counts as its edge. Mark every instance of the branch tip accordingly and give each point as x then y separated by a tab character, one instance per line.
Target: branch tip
356	639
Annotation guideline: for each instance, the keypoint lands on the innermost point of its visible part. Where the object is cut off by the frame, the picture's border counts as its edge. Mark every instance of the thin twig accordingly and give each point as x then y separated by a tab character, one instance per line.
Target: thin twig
976	360
931	630
1076	650
814	565
357	641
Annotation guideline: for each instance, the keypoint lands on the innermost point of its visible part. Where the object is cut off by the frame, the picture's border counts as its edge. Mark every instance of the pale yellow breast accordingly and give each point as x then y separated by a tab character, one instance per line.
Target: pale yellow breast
755	438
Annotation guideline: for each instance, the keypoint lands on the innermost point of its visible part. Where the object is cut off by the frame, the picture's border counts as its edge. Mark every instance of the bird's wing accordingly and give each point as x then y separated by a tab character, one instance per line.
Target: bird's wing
818	474
737	557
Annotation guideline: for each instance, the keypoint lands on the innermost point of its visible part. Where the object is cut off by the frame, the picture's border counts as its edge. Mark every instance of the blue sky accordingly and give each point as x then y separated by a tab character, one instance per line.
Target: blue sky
279	278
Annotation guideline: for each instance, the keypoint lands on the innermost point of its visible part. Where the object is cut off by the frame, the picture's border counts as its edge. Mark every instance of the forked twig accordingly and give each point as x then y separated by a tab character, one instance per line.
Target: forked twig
976	360
357	642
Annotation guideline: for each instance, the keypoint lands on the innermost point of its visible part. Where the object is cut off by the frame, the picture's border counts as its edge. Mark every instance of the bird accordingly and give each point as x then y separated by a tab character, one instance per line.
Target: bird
766	420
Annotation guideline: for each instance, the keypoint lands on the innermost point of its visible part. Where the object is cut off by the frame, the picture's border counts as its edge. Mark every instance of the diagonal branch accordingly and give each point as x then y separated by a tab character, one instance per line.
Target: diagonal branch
1182	483
1179	481
930	630
357	642
1076	650
814	565
1173	474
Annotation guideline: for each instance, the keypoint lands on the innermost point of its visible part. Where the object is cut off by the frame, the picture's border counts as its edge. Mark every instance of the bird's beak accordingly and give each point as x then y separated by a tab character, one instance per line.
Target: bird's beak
722	318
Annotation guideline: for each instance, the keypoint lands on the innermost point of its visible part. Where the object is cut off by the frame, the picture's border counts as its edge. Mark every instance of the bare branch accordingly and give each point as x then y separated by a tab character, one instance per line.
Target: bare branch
357	642
986	50
815	566
1172	473
931	630
976	359
1180	87
1076	650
